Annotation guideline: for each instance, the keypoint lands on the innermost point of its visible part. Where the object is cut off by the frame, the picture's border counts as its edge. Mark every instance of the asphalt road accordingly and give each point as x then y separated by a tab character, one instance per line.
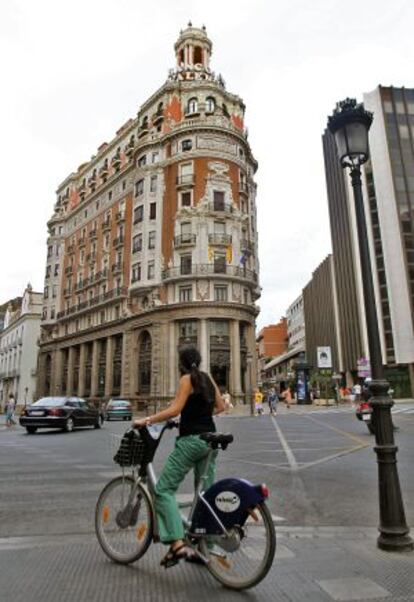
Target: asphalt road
319	466
321	471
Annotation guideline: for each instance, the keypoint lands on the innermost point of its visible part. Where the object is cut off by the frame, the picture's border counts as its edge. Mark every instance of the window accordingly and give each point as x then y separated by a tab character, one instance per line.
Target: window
110	195
155	157
186	294
124	184
54	291
142	161
56	269
219	228
185	264
187	332
219	263
186	145
153	211
50	250
151	270
220	293
151	239
136	272
52	313
57	250
46	292
137	243
218	200
192	106
139	187
138	214
48	268
210	104
153	183
186	199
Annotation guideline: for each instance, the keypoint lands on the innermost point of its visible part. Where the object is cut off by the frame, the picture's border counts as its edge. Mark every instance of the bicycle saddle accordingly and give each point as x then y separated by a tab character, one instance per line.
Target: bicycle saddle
217	439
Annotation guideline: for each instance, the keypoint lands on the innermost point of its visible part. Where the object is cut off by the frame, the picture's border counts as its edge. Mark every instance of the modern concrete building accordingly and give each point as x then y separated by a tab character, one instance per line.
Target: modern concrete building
388	182
153	244
295	318
19	348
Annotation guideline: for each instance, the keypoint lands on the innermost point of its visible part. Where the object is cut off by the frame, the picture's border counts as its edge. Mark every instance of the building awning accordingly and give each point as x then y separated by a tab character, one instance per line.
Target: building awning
283	358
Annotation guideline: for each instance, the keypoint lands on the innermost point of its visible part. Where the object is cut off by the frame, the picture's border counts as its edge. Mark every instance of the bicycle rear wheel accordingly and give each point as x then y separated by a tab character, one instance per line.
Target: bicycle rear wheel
124	527
244	558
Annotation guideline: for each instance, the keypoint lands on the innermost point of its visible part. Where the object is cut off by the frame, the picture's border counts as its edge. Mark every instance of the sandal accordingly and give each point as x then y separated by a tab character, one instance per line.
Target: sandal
173	557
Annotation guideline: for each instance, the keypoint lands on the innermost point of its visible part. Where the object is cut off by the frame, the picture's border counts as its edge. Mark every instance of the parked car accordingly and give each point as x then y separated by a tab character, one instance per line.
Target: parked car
118	409
65	413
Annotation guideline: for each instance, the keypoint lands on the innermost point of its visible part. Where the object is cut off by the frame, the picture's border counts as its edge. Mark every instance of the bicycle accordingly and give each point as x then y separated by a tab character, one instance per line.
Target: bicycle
229	526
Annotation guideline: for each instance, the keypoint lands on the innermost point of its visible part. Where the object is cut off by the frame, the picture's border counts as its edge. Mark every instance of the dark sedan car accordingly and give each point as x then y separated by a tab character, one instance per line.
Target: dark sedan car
65	413
118	409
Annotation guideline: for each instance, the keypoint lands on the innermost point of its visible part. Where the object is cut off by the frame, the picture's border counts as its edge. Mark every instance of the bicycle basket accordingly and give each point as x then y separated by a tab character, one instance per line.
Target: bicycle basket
131	450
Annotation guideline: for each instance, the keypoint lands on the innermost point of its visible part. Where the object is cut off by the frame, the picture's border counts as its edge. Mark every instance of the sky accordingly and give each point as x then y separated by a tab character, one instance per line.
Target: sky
74	71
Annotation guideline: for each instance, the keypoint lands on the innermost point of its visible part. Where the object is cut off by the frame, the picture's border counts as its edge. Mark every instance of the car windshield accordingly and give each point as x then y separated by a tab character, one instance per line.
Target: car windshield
120	402
50	402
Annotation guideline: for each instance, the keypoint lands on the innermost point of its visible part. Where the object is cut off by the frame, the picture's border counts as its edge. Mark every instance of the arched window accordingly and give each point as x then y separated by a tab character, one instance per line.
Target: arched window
192	105
210	104
144	362
144	125
198	55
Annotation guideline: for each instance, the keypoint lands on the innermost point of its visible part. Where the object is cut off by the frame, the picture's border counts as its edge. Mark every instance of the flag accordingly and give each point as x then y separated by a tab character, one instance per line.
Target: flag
210	253
243	258
229	254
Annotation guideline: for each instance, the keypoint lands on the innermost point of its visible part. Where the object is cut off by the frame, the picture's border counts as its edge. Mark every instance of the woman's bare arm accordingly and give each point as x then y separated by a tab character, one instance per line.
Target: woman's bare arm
219	403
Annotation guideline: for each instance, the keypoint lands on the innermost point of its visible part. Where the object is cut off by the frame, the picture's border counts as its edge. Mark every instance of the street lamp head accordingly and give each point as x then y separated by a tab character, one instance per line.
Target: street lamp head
350	124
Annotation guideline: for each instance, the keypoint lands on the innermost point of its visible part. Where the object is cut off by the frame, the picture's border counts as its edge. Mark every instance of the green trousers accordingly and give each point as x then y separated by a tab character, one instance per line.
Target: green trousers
189	453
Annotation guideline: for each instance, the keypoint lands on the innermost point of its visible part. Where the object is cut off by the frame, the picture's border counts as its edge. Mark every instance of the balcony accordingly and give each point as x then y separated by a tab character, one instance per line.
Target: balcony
208	270
82	241
67	292
106	225
104	172
120	216
184	240
98	300
219	239
93	233
186	181
116	162
117	268
243	188
246	246
158	117
92	183
71	249
143	130
91	257
81	284
69	270
118	241
220	207
129	149
99	276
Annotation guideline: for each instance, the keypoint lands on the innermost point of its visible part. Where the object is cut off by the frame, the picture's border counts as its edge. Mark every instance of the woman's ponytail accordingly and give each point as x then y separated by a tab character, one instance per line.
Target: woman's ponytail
190	360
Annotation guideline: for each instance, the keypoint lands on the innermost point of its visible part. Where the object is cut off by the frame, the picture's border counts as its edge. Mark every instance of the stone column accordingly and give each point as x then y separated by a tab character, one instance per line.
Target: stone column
235	360
94	374
204	346
127	383
172	359
109	368
71	363
57	366
82	370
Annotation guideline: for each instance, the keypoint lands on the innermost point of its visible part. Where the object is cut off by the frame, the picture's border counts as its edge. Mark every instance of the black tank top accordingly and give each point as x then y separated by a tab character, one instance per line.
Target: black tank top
197	414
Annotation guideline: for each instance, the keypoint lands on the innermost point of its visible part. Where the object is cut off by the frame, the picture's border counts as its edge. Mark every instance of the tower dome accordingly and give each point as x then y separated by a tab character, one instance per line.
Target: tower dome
193	48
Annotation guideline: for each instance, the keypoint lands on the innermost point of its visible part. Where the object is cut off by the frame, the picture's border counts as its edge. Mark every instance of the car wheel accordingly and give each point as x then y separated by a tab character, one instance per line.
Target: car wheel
69	426
31	430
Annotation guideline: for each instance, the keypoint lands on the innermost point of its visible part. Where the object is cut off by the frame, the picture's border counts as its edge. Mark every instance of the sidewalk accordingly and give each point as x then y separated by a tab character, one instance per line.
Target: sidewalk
320	564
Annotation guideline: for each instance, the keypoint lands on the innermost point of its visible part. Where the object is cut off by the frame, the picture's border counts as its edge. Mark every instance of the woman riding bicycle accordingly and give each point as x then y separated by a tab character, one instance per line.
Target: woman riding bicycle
197	399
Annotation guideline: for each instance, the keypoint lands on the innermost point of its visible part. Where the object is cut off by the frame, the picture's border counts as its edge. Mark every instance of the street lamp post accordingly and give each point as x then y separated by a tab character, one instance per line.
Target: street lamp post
350	124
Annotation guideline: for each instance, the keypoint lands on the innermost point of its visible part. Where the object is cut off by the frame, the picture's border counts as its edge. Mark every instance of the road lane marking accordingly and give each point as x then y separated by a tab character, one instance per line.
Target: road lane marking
340	431
289	453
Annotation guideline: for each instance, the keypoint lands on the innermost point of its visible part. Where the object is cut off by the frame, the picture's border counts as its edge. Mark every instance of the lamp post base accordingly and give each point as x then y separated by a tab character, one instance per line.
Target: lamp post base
395	542
394	532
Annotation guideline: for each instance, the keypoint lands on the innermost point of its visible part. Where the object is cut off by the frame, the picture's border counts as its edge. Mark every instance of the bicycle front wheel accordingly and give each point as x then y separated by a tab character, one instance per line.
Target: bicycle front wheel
124	520
244	558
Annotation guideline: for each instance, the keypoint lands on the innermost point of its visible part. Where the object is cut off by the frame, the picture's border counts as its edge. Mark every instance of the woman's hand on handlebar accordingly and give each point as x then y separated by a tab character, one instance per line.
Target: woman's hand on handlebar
141	422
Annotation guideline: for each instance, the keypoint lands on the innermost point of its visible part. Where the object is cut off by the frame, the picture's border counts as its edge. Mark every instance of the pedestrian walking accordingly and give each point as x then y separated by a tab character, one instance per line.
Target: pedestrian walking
287	397
10	408
227	401
258	402
272	400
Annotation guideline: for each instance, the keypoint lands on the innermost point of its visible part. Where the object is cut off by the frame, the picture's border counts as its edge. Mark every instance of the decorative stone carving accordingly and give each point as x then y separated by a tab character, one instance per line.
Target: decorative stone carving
236	291
202	289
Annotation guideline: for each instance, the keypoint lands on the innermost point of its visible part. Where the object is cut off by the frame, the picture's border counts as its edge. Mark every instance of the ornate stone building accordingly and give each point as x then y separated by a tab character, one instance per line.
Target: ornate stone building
153	244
